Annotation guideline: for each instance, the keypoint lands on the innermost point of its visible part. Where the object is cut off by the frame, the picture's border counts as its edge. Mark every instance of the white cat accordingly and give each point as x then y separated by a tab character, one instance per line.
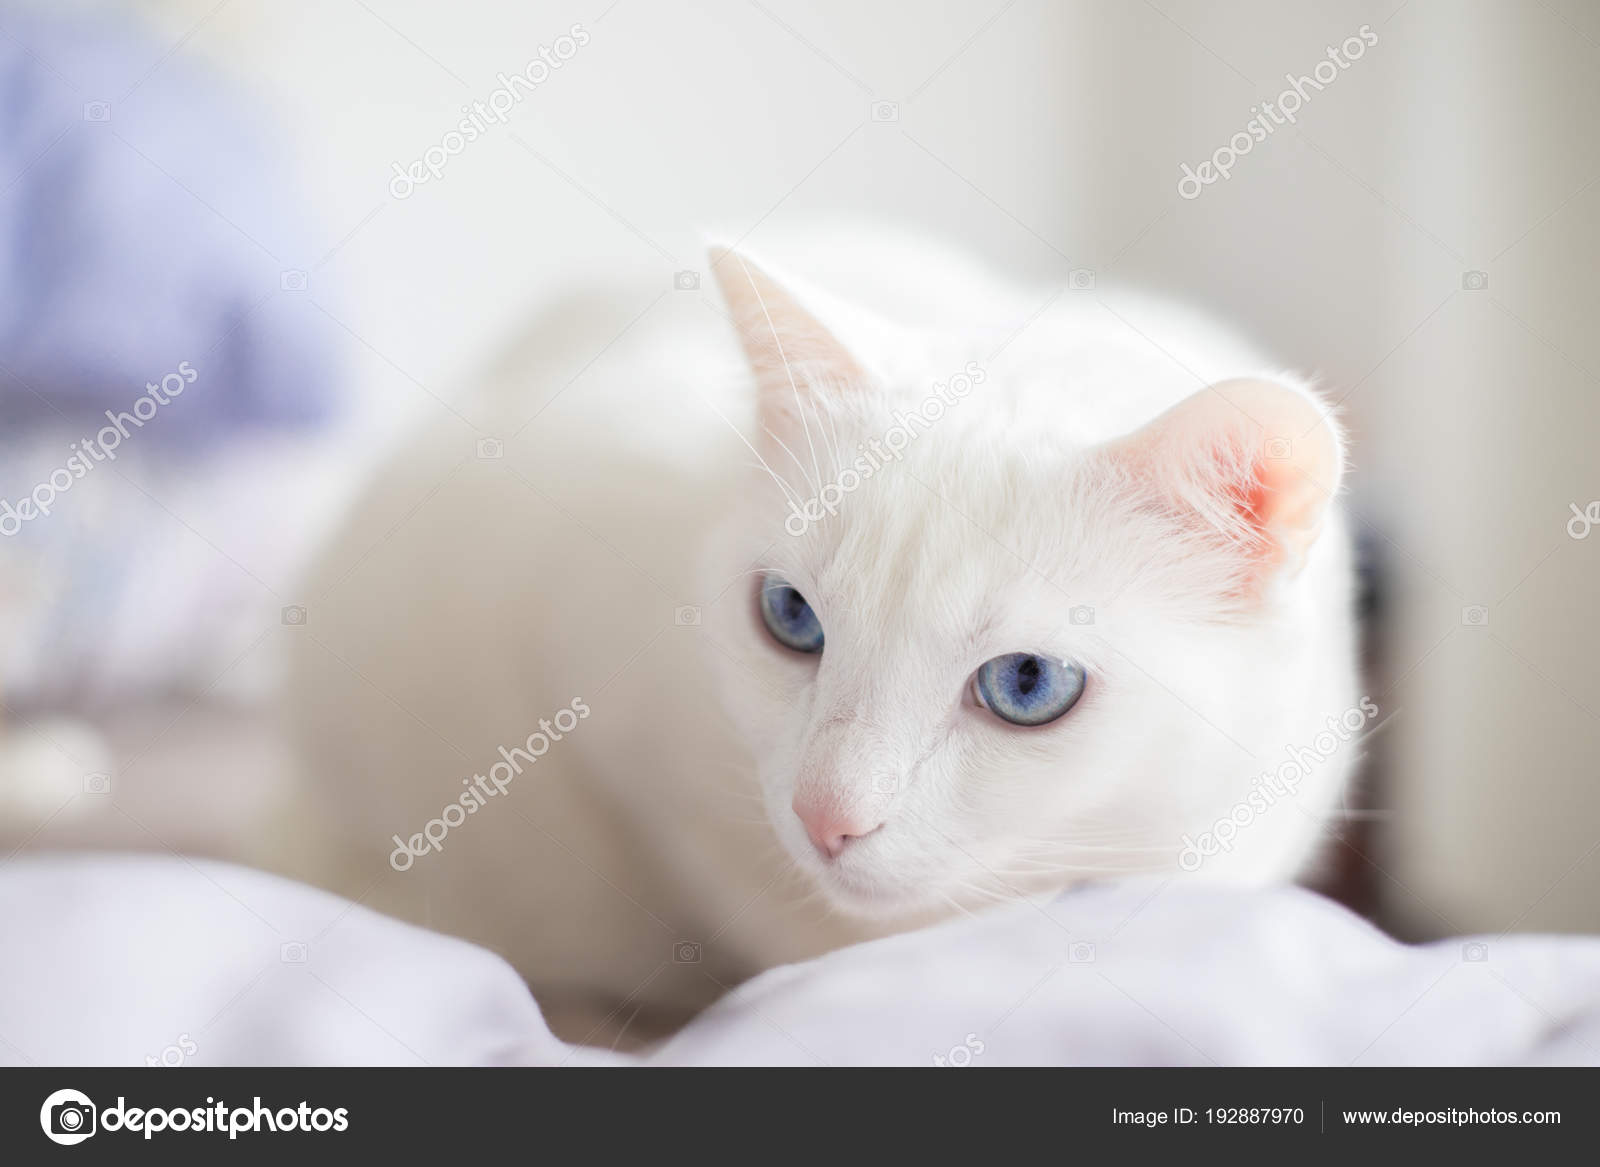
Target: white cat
782	620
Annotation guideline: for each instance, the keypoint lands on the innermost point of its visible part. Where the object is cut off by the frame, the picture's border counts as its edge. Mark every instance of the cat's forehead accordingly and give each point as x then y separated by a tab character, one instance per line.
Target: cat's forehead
943	541
988	508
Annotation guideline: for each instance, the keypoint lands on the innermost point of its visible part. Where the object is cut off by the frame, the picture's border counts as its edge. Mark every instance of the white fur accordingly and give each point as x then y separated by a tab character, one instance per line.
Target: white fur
666	816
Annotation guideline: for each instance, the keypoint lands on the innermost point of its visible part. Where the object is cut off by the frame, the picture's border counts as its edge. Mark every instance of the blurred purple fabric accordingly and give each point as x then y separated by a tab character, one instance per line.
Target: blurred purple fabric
143	223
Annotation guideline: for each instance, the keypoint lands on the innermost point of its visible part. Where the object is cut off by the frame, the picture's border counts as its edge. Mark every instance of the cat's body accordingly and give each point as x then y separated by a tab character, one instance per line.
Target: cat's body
656	851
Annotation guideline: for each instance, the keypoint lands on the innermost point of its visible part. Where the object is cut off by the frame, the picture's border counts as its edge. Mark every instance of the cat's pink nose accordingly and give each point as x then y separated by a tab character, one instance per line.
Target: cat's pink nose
829	829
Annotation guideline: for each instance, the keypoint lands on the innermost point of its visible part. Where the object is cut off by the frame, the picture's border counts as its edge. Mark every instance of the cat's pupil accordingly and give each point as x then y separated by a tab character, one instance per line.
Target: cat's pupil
794	605
1027	675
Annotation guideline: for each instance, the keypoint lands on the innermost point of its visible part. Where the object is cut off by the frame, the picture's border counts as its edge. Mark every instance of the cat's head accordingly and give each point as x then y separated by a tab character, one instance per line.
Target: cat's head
973	655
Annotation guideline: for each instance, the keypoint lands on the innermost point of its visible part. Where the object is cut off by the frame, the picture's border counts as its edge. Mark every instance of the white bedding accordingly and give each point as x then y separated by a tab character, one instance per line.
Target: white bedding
135	960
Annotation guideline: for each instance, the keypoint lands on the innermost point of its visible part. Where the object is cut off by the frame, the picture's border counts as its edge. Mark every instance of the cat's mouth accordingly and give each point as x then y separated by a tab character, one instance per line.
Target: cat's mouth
856	884
860	879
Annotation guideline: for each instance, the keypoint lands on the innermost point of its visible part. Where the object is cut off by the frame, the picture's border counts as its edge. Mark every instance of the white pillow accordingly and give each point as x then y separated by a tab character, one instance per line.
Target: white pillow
138	959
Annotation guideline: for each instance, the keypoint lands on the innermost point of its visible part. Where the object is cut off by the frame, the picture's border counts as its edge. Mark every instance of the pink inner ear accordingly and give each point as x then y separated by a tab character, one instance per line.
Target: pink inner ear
1262	508
1292	501
1252	459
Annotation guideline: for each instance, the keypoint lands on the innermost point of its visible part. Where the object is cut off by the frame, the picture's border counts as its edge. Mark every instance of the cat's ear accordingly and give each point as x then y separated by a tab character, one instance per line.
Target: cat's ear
796	360
1254	462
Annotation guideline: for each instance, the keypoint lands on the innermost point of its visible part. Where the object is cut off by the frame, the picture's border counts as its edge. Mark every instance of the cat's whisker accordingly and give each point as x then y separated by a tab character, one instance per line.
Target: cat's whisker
754	571
1005	897
1072	845
827	441
782	356
957	905
814	487
831	436
1072	872
788	491
1068	862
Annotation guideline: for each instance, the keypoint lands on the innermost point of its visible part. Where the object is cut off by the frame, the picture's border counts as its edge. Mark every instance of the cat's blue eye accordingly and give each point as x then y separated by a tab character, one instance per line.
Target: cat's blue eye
788	617
1027	689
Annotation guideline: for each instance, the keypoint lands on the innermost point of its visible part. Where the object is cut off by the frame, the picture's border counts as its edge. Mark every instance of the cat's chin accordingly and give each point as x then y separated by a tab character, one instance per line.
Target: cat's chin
876	901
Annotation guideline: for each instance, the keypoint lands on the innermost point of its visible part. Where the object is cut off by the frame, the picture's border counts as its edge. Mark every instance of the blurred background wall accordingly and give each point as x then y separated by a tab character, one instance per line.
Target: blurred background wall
1423	236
